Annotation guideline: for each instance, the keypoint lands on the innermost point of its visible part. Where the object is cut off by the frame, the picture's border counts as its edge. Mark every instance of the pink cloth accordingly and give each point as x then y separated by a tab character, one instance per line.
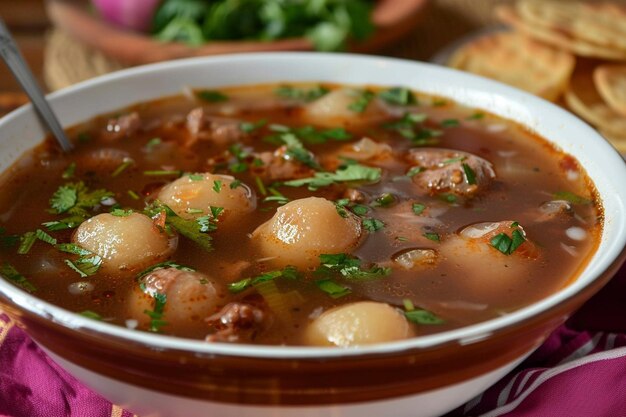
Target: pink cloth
579	371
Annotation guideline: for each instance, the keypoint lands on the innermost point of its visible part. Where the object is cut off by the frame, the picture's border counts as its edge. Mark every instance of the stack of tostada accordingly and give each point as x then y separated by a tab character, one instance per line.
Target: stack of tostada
571	52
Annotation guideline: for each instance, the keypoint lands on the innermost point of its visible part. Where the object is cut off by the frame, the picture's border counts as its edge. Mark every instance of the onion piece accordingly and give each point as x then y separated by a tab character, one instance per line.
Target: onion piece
130	14
416	258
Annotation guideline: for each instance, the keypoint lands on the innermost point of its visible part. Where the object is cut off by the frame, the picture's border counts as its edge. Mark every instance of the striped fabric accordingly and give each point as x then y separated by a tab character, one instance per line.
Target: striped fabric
580	370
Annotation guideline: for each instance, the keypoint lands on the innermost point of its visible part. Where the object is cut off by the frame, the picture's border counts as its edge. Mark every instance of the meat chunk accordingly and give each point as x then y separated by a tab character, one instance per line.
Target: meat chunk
446	170
279	166
219	130
235	321
122	127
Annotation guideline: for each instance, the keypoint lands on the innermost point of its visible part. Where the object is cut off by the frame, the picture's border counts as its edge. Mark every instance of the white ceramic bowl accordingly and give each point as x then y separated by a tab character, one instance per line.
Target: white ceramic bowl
156	375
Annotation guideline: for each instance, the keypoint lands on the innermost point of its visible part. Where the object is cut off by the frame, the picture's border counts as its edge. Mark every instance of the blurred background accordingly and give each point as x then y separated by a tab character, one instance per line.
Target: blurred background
59	57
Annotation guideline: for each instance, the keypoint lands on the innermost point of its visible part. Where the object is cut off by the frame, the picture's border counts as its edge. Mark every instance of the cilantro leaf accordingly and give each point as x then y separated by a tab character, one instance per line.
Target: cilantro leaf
332	288
288	272
9	272
354	172
398	95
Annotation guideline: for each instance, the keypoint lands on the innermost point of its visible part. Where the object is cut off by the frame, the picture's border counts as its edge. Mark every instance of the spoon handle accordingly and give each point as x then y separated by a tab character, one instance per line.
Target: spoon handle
16	63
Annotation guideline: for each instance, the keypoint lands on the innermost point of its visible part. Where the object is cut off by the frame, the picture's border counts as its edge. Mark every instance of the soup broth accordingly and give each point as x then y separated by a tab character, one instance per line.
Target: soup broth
297	214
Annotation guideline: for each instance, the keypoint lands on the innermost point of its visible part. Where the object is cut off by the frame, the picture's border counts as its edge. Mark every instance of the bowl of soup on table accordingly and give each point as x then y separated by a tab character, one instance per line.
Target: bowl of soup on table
295	233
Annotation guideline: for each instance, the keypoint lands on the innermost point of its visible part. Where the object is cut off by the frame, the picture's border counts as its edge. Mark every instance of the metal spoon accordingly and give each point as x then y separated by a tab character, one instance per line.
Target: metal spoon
16	63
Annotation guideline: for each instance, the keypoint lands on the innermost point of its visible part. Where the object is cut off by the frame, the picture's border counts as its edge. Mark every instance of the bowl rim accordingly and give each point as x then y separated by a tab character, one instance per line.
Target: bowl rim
463	335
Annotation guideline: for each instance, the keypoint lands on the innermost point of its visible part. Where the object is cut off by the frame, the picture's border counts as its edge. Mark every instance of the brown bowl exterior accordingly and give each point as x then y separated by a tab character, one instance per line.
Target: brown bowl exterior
314	381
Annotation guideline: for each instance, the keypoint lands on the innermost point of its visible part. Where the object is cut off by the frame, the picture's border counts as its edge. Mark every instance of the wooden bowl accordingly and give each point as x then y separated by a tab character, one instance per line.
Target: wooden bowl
392	20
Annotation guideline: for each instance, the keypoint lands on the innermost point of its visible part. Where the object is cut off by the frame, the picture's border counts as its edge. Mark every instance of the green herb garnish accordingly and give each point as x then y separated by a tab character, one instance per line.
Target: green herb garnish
127	162
288	272
69	171
348	267
470	175
9	272
156	315
162	173
349	173
418	208
398	95
249	127
571	197
332	288
363	99
432	236
508	244
211	96
164	265
91	315
420	316
373	225
301	94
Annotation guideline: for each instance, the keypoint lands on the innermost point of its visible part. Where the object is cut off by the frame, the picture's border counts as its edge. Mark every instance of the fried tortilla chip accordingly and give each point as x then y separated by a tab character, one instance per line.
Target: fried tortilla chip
558	38
519	61
610	80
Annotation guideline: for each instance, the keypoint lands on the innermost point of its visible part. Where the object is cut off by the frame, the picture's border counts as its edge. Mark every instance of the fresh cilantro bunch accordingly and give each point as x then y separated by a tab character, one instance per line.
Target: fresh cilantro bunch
327	23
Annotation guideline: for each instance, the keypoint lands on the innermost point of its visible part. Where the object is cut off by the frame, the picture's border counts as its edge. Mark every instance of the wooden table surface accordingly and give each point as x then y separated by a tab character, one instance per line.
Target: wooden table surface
28	22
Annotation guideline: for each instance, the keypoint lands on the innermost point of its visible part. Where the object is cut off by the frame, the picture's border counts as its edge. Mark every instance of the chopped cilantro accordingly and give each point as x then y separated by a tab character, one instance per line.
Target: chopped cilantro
432	236
66	223
156	315
418	208
363	99
8	241
63	199
414	171
420	316
9	272
409	127
301	94
133	194
507	245
118	212
152	144
211	96
297	151
164	265
348	267
476	116
249	127
288	272
260	185
571	197
453	160
398	95
26	242
359	209
76	199
69	171
235	184
91	315
308	134
332	288
353	172
196	177
385	200
373	225
191	229
448	198
127	162
217	186
162	173
450	123
44	237
470	175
